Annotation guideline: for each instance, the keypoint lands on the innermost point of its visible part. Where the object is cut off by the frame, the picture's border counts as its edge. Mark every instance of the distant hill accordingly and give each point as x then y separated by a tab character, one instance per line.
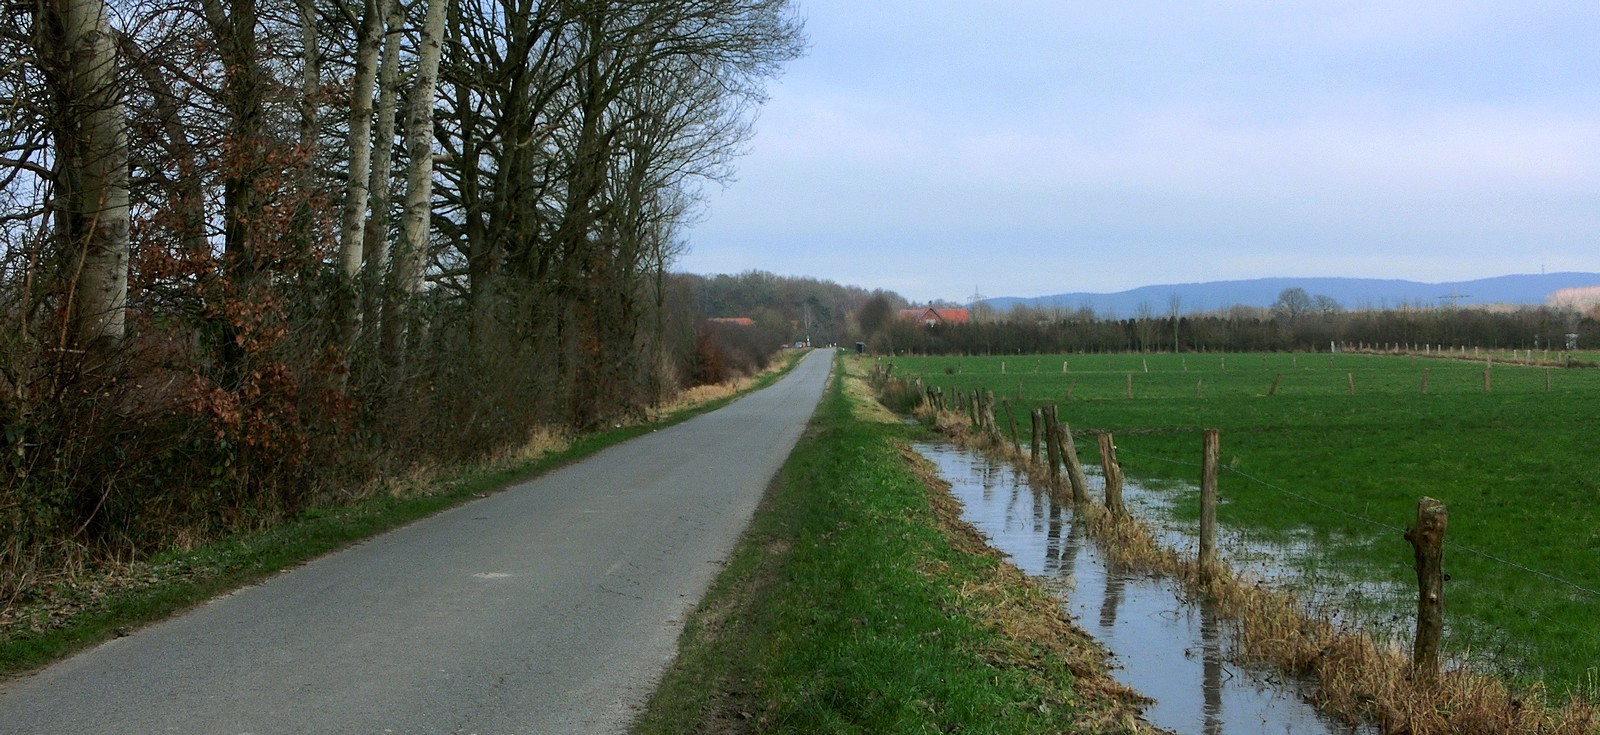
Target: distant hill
1351	293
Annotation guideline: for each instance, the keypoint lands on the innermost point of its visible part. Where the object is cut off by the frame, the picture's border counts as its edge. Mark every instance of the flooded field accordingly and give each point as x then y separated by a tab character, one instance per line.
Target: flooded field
1168	648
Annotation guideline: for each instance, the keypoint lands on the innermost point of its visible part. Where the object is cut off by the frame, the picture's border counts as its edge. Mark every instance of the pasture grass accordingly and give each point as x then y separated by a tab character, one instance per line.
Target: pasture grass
1515	466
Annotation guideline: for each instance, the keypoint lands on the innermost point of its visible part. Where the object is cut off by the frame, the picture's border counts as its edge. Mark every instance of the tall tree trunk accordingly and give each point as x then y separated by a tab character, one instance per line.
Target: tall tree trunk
310	98
408	254
375	250
246	147
92	184
352	223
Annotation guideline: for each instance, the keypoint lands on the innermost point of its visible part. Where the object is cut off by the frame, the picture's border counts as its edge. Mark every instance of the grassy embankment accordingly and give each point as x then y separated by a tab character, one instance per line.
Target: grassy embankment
859	602
1514	465
69	614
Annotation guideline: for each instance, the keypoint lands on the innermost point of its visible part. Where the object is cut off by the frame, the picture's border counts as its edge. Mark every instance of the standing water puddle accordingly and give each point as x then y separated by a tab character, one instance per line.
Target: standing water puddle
1168	648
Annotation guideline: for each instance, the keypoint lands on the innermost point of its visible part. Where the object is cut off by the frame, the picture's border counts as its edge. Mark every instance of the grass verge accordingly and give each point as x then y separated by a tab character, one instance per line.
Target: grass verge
859	602
77	613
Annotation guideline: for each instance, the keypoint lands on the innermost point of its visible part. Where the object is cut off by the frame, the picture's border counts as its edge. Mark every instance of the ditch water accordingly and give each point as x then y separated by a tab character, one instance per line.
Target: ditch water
1170	649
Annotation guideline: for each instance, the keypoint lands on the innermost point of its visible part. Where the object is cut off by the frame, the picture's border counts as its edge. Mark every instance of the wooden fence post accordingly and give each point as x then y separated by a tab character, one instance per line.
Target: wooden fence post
1033	441
1427	541
1069	452
989	413
1130	385
1016	444
1113	473
1351	379
1208	503
1052	452
1272	391
1486	380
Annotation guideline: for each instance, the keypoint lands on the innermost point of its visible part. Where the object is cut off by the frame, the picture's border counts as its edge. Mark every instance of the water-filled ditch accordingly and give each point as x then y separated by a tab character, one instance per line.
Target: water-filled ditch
1169	648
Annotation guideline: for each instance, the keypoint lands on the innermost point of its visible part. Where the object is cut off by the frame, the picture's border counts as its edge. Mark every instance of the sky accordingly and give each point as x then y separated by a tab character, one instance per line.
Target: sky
941	148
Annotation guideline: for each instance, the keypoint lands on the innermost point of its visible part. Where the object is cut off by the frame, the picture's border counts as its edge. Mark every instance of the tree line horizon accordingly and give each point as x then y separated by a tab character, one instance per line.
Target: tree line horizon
1297	321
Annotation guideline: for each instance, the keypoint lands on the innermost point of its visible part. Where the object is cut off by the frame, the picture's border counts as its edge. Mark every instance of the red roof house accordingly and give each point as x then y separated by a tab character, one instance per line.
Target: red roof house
930	316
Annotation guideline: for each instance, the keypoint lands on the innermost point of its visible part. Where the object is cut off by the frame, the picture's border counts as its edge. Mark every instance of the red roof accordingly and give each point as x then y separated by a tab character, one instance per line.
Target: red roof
931	316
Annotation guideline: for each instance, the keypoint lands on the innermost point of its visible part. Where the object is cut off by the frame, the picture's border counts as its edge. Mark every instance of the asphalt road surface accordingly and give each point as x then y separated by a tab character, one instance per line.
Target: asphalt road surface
550	607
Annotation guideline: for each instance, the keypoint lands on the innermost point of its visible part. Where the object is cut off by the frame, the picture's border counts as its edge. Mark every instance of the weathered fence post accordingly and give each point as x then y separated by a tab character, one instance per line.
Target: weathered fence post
1011	418
1427	541
1113	473
1033	441
1071	387
1069	453
1208	503
989	413
1272	391
1351	379
1130	385
1052	452
1486	380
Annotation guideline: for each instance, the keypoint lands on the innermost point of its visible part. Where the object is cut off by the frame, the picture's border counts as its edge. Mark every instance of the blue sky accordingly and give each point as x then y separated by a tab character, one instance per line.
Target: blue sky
1031	147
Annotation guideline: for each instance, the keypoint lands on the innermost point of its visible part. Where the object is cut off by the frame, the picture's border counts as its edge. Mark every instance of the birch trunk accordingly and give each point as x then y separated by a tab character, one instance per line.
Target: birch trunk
353	219
375	251
94	176
415	220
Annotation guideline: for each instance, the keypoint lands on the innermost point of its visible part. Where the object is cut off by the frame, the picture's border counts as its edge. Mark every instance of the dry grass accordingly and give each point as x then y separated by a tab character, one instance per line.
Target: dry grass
863	397
703	394
1357	678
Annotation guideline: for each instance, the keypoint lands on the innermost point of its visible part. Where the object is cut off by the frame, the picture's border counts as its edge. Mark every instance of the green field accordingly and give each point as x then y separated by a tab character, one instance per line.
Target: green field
1517	467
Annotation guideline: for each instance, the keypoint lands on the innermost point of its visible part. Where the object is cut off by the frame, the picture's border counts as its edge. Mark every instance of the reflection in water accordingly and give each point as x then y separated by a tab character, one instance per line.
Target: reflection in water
1168	649
1211	677
1108	606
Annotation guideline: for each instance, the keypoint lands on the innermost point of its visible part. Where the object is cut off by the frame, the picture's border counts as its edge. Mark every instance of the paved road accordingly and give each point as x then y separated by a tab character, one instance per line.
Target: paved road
551	607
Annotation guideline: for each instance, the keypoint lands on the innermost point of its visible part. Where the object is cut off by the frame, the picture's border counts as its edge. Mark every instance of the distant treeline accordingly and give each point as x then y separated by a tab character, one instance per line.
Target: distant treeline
794	308
1239	330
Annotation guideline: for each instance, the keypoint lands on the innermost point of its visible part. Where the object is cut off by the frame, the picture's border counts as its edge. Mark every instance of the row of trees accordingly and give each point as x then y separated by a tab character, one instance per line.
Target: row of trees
798	308
254	251
1242	329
